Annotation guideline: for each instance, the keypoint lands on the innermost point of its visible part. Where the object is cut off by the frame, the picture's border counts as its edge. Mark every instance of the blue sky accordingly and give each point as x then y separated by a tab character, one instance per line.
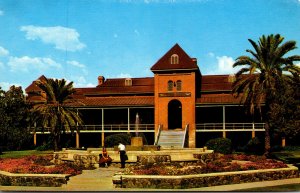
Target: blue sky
81	39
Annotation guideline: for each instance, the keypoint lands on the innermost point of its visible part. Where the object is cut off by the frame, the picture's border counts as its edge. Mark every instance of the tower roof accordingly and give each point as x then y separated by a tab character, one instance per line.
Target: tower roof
183	61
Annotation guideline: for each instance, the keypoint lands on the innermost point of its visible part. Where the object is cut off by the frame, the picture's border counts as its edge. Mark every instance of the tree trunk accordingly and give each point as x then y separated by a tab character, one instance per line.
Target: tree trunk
267	139
55	142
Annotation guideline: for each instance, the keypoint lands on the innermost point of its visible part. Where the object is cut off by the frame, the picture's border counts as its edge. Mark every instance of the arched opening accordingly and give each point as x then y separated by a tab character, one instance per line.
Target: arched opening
174	114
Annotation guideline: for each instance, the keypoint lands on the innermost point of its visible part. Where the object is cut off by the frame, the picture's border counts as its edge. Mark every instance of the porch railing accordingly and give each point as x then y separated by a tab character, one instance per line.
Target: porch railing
206	127
108	128
200	127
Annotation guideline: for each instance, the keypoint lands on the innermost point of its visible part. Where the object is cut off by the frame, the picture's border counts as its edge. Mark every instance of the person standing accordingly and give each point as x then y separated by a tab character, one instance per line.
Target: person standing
122	152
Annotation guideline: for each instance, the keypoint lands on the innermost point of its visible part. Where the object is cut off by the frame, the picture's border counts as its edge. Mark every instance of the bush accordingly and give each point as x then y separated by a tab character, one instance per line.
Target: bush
46	146
220	145
115	139
254	146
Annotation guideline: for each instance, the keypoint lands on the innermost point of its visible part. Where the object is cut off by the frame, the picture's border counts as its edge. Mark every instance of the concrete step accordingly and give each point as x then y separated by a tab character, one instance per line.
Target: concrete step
171	138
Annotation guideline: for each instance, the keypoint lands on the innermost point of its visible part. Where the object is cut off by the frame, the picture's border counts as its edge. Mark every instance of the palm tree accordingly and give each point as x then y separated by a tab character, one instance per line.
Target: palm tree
261	75
54	111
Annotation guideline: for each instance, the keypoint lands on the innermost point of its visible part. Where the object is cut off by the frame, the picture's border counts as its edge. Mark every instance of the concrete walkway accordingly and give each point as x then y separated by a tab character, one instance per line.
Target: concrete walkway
100	179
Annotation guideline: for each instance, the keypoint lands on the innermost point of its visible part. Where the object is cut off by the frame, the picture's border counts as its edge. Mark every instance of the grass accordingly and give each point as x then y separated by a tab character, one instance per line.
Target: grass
290	154
18	154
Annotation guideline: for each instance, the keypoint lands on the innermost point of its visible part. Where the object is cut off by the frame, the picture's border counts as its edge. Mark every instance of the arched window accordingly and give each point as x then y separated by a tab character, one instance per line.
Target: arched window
178	85
170	85
174	59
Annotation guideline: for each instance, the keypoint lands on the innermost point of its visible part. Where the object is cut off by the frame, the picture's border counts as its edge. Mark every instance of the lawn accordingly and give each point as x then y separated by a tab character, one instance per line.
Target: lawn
19	154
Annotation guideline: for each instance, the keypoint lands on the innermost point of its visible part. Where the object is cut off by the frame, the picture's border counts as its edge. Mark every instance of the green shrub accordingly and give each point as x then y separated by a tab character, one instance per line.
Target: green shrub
220	145
254	146
115	139
46	146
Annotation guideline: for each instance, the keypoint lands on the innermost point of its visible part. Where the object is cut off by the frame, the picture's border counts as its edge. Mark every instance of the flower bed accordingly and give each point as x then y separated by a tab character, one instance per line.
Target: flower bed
229	169
37	165
35	171
226	163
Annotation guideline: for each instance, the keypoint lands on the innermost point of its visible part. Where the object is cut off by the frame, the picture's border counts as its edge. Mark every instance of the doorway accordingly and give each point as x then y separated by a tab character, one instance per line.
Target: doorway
174	114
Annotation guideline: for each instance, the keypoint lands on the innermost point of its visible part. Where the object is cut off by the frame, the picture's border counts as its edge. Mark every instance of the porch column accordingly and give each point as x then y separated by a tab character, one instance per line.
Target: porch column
102	133
283	142
77	134
77	139
34	134
34	138
224	127
128	120
253	130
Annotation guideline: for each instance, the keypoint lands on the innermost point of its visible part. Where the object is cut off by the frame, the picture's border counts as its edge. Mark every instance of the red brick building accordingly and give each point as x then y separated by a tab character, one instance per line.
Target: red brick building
177	98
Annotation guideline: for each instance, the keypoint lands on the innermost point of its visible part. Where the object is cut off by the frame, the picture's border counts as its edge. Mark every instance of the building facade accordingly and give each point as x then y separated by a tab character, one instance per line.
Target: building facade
178	97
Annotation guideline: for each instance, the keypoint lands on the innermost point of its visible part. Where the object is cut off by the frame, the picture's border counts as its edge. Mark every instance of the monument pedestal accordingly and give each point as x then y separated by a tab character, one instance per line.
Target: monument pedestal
137	141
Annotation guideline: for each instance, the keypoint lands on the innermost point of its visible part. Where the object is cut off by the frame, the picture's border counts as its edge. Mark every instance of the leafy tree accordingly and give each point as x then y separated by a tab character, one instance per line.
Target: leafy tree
285	111
14	119
265	71
54	112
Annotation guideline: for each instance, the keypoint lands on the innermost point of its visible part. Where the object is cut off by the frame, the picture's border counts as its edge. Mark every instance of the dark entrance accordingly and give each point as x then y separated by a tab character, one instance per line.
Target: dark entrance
174	114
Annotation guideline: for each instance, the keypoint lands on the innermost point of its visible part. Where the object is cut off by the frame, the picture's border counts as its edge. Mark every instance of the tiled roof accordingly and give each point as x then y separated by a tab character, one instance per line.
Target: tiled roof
115	101
33	86
120	82
216	83
117	87
185	62
217	99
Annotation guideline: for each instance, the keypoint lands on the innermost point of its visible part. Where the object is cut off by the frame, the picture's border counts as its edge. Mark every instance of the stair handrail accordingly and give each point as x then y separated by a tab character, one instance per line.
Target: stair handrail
158	134
185	132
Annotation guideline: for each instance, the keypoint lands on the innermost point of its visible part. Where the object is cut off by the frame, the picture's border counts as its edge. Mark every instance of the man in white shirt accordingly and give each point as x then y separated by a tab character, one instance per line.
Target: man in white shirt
122	152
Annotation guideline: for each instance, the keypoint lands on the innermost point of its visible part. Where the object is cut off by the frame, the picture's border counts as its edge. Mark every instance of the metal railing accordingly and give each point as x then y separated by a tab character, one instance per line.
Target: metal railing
203	127
185	132
106	128
200	127
158	134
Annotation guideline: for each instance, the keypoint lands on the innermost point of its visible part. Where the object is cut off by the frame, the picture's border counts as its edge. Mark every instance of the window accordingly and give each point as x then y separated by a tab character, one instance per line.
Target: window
170	85
128	82
178	85
174	59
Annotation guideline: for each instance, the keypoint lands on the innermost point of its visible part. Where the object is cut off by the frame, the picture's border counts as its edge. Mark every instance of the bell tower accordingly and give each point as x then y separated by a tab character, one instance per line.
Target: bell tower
175	90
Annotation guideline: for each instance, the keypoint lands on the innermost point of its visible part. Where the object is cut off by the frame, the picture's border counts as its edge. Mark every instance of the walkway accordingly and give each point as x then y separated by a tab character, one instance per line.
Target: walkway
100	179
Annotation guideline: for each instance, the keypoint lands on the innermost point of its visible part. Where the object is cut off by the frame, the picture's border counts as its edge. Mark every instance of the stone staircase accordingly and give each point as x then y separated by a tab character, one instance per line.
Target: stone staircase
171	138
92	180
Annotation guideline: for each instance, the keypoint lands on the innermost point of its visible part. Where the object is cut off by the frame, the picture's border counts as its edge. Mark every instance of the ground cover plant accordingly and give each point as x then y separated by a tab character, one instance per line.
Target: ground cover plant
37	165
223	163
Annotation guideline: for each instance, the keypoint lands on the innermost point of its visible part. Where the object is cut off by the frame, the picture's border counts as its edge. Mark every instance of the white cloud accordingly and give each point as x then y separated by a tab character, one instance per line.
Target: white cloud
80	81
225	64
63	38
124	75
210	54
297	64
3	51
6	85
1	12
75	63
26	64
1	65
78	65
